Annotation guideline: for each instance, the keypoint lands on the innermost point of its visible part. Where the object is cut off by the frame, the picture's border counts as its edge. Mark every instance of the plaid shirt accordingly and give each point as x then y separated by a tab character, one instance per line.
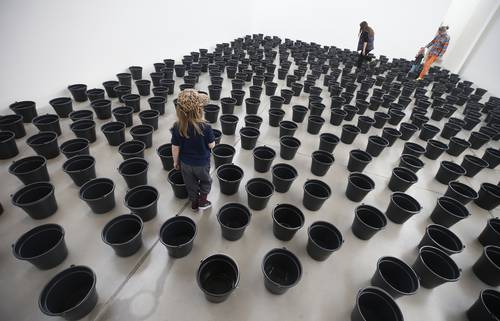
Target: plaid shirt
438	45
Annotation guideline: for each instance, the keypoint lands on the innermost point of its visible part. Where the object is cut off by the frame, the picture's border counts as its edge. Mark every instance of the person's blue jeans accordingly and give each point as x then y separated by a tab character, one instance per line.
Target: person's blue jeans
414	67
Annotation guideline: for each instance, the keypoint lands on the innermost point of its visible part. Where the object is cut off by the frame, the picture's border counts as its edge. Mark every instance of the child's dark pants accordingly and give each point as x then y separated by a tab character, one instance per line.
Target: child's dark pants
197	180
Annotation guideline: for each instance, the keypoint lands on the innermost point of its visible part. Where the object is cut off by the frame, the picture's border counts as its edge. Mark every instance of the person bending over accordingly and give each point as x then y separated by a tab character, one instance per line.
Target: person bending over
365	43
436	49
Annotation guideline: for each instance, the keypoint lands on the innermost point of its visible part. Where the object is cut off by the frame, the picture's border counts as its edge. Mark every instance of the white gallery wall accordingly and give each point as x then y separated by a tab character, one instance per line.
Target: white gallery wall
483	65
47	45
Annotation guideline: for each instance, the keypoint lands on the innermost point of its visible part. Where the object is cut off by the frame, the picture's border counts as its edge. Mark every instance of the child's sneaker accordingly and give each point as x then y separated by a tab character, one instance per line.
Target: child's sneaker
195	206
203	203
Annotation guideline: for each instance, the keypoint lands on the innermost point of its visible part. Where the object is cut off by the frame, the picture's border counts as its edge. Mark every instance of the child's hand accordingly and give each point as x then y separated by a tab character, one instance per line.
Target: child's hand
177	166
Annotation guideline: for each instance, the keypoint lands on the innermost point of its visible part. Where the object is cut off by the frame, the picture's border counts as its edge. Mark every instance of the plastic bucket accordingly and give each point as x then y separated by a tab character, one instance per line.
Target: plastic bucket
402	207
488	196
124	234
142	201
491	233
413	149
411	162
63	106
36	199
349	133
42	246
177	182
401	179
395	276
223	154
143	133
259	191
8	146
442	238
328	142
13	123
133	148
358	160
358	186
376	145
84	128
368	220
178	234
461	192
321	162
30	169
134	171
99	194
287	128
282	270
229	176
449	171
233	219
457	146
287	220
263	157
74	147
249	136
487	267
486	306
228	124
288	147
81	168
165	154
473	165
434	267
218	276
448	212
48	123
323	239
316	193
283	177
373	303
114	132
434	149
44	144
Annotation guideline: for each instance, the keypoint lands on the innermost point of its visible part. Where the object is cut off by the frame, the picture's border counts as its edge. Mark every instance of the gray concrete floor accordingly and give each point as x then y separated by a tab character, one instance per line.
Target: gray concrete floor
151	286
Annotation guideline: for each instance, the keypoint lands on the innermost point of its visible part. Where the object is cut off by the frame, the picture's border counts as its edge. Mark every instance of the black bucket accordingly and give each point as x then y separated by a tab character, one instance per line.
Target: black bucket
283	177
373	303
488	196
380	119
81	114
143	133
434	149
368	220
42	246
211	113
81	168
314	124
114	132
223	154
263	157
376	145
124	234
395	276
414	149
358	186
337	115
130	149
435	267
25	109
428	131
450	130
253	121
228	105
287	220
252	105
30	169
249	136
461	192
299	113
143	87
150	117
486	306
476	139
109	86
133	101
358	160
63	106
364	123
391	134
84	128
218	276
44	144
48	123
321	162
457	146
323	239
102	108
178	234
158	103
349	133
487	267
402	207
407	130
448	211
401	179
13	123
177	182
142	201
411	162
259	192
134	171
99	194
328	142
275	116
473	165
36	199
230	177
491	233
287	128
442	238
71	294
76	146
288	147
124	114
165	154
8	146
228	124
492	156
233	219
282	270
316	193
449	171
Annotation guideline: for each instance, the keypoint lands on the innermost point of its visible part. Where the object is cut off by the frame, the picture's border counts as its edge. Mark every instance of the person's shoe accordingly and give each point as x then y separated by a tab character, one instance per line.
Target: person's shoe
195	206
420	78
203	203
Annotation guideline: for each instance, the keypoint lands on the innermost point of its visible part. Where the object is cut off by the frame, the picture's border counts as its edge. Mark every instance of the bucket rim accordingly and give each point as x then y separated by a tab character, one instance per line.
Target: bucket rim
176	219
26	188
293	257
120	219
410	271
131	191
446	231
37	229
330	227
227	258
451	263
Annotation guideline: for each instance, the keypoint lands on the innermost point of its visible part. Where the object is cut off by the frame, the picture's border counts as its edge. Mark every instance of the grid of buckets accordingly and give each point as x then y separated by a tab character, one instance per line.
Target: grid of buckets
250	60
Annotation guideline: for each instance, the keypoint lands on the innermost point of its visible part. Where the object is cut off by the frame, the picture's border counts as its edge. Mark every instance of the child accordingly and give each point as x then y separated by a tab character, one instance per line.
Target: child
192	141
418	60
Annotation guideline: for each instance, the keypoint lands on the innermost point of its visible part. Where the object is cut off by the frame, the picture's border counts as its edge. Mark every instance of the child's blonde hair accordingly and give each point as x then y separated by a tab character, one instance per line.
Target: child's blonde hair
189	110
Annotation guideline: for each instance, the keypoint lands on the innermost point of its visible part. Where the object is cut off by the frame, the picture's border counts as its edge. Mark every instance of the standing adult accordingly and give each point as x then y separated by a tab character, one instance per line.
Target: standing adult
365	43
436	49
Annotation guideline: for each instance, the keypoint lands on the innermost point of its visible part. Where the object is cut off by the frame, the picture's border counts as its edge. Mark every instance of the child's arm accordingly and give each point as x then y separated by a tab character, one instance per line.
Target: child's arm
175	156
